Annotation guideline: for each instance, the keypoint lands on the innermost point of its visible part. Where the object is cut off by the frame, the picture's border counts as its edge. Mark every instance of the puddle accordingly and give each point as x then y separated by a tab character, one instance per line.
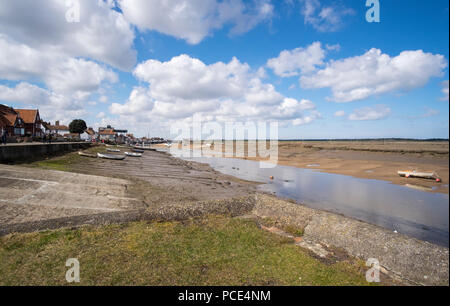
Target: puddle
313	165
403	209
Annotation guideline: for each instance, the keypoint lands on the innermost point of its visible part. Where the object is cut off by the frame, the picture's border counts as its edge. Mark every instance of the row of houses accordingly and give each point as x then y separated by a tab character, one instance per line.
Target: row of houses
21	123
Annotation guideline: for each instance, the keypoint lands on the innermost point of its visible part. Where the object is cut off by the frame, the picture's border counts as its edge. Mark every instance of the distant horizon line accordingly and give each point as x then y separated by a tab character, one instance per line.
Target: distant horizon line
331	139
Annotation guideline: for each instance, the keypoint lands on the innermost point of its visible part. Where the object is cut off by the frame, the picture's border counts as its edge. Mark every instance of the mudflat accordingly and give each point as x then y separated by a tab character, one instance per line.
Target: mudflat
378	159
159	187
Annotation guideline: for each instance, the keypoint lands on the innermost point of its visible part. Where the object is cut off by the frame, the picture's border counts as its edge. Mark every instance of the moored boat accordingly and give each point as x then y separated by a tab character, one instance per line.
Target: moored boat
138	151
87	155
133	154
144	148
113	150
111	156
426	175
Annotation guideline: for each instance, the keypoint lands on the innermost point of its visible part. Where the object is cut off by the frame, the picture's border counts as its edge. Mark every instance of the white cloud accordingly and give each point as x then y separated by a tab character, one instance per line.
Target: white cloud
101	115
324	18
427	114
370	113
103	99
62	74
445	90
52	106
340	113
193	20
102	33
231	91
336	47
430	113
307	119
139	103
300	60
375	73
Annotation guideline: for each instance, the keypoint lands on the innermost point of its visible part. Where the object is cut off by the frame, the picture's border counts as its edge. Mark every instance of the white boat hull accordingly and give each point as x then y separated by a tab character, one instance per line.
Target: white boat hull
111	156
427	175
133	154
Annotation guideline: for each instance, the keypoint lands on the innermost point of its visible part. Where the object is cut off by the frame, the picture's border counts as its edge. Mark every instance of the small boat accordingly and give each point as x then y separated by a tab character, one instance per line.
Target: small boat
138	151
426	175
111	156
133	154
87	155
144	148
113	150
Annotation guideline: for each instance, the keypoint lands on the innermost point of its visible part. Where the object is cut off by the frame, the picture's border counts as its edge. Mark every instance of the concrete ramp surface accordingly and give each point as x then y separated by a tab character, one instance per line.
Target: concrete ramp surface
28	195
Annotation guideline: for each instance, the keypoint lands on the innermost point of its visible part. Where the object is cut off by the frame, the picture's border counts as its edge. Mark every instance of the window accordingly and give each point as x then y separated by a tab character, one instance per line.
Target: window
19	131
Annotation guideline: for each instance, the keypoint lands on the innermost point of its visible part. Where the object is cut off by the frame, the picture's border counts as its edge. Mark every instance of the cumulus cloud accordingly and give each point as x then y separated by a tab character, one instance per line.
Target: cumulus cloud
445	90
370	113
193	20
52	106
335	47
300	60
340	113
184	86
62	74
102	34
375	73
324	18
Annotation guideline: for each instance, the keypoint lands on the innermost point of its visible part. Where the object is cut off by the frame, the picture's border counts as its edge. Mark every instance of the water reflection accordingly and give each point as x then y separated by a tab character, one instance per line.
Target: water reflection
409	211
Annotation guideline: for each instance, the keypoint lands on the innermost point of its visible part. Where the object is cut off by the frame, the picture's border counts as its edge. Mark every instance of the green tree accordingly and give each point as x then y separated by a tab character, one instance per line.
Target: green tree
77	126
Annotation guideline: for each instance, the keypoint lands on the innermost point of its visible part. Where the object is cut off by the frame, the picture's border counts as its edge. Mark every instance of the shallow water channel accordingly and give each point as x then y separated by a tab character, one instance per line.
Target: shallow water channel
416	213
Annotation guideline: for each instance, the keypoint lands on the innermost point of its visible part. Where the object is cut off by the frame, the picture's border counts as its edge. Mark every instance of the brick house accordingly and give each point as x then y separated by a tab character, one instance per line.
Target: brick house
107	134
32	122
20	122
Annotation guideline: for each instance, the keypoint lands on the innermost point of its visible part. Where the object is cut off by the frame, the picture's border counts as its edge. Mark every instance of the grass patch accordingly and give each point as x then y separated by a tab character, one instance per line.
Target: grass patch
207	251
65	161
290	229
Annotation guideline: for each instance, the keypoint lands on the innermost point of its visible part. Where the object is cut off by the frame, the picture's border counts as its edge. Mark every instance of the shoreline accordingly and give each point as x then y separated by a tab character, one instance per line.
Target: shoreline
361	159
171	198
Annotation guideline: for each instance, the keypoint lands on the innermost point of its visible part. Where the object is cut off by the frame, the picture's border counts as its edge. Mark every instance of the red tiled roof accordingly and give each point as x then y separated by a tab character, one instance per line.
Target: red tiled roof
11	118
7	115
27	115
90	132
56	127
107	132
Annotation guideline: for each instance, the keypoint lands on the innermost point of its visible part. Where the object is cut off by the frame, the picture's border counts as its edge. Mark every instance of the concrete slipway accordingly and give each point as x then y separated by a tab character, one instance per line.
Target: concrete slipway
33	199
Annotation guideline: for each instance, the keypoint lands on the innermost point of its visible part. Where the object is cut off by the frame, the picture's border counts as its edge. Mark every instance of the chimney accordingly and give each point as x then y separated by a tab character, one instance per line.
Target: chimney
57	123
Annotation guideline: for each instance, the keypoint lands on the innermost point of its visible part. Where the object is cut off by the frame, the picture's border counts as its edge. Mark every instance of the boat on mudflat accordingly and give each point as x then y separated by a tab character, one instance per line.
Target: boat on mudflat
113	150
111	156
87	155
426	175
144	148
137	151
132	154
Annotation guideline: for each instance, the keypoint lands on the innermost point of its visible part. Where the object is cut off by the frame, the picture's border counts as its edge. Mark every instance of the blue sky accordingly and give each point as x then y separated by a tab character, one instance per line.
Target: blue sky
327	88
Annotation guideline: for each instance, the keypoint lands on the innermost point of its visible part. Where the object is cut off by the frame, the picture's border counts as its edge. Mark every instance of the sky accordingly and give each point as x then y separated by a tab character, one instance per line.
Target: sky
318	68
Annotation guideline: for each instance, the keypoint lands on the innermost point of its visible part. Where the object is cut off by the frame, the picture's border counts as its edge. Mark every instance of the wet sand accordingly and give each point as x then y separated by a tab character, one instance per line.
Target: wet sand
160	187
363	159
160	178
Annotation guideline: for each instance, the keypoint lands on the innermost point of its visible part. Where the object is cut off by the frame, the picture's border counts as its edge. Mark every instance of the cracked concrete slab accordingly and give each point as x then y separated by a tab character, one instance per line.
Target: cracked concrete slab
28	195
